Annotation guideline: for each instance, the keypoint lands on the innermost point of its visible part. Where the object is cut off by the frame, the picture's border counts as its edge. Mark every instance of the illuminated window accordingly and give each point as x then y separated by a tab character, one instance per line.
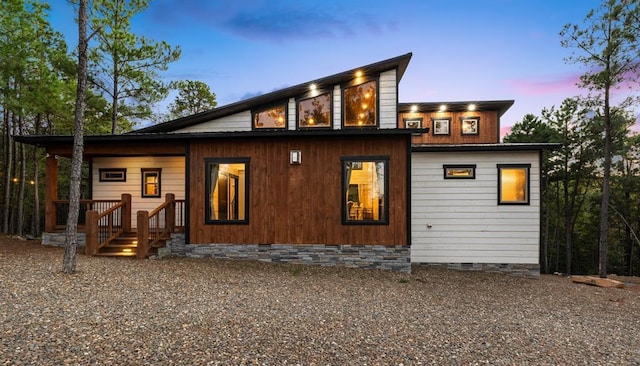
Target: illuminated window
271	118
151	182
365	181
513	184
360	105
459	171
315	112
227	190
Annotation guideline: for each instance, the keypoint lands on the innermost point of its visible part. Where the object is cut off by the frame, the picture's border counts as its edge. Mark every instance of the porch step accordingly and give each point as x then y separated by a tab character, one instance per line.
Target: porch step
125	246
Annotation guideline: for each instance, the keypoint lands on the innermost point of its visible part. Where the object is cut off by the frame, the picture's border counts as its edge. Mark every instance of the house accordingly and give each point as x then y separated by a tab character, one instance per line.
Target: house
333	171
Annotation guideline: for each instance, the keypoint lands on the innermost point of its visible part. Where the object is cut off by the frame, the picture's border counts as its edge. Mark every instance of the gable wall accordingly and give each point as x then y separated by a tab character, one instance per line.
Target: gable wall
467	224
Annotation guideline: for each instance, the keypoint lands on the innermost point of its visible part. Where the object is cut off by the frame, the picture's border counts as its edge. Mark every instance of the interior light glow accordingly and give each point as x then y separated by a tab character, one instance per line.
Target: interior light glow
471	107
364	105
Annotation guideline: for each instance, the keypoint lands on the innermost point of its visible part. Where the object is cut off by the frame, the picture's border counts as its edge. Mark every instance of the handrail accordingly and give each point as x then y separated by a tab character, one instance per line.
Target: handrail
150	230
109	229
103	227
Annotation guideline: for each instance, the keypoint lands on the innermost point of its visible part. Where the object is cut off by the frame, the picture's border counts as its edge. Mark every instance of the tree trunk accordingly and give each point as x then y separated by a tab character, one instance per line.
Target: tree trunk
36	183
604	205
7	172
69	262
568	213
21	188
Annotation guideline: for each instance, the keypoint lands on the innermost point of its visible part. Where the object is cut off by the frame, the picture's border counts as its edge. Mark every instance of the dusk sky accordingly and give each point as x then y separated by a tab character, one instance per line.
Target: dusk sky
462	50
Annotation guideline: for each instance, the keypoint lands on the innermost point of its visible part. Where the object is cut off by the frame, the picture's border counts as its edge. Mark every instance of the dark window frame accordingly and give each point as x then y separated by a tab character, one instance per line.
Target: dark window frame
207	185
527	167
355	83
265	108
143	174
435	132
309	96
105	171
345	188
474	118
447	167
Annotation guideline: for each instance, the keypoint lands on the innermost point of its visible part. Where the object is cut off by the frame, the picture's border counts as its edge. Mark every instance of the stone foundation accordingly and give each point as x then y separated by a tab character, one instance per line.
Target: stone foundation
396	258
59	239
513	269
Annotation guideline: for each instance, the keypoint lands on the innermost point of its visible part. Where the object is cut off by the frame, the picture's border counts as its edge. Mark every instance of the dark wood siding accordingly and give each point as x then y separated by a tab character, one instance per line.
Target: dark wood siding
487	132
299	204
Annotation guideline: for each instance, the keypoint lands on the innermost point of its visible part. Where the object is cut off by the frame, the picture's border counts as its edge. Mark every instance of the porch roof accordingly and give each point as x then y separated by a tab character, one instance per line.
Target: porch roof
501	106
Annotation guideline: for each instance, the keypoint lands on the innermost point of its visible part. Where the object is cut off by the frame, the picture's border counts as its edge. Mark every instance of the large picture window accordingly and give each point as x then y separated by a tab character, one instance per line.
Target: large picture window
513	184
151	182
365	187
360	105
315	112
274	117
227	190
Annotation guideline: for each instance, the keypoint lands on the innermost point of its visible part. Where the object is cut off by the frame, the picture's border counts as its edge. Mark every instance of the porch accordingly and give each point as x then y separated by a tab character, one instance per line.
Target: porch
107	225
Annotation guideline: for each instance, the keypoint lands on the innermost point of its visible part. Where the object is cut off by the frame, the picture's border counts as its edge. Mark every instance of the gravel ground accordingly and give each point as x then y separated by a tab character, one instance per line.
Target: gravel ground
212	312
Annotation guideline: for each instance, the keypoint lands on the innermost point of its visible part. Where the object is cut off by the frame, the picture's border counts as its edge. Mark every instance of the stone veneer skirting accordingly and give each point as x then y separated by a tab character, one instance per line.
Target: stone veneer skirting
513	269
59	239
396	258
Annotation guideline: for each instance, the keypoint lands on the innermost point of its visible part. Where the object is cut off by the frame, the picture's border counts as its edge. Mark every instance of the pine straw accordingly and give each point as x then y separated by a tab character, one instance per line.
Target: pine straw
186	311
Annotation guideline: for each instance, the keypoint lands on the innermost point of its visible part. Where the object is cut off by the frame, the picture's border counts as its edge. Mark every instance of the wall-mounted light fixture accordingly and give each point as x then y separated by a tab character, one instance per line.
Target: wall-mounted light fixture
295	157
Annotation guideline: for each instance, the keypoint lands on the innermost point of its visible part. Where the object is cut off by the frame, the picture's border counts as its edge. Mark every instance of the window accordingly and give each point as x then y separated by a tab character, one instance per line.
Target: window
360	105
470	125
112	175
365	181
513	184
315	112
227	190
459	171
151	182
274	117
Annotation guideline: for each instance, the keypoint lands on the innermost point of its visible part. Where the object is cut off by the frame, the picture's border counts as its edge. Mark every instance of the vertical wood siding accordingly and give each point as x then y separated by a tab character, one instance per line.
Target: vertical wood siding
487	132
468	226
172	180
299	204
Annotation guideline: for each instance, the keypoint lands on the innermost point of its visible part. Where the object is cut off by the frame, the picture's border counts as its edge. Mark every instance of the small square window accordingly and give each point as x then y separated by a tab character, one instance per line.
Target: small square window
151	182
470	125
440	126
459	171
513	184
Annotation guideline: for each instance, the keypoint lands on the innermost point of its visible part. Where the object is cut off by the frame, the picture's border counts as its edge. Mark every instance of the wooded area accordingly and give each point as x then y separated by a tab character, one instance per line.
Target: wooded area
591	186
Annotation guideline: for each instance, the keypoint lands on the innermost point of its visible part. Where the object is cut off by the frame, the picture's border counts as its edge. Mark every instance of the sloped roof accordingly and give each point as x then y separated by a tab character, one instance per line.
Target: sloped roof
399	63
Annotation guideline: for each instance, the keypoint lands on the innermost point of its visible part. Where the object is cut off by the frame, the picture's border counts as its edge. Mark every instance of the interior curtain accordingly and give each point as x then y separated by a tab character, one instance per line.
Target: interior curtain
380	180
214	183
345	187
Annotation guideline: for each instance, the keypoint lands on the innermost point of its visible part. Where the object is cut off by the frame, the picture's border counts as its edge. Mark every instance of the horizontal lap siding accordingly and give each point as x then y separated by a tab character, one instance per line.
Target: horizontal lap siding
467	224
299	204
172	180
388	99
235	122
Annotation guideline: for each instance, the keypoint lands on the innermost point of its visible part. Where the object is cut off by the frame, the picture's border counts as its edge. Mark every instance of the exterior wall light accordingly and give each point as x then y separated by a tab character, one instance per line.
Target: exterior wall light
295	157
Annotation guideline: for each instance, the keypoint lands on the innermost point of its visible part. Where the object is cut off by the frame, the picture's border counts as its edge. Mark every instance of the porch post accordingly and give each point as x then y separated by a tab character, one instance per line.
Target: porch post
50	193
170	213
91	233
126	212
143	234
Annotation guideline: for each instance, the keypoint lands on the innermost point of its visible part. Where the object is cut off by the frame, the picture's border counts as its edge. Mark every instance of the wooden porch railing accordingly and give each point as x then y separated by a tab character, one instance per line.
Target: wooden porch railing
102	227
156	225
61	211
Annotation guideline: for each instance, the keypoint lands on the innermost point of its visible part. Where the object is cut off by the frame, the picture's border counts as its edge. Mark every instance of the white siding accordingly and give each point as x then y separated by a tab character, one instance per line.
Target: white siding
235	122
388	99
467	224
171	180
337	107
292	114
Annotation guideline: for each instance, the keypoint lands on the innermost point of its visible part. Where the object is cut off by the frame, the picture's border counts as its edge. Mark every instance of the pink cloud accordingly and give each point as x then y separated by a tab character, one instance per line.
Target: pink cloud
551	85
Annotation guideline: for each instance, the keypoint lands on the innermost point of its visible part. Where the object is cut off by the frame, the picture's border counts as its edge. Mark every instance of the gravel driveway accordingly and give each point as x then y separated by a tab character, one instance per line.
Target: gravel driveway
210	312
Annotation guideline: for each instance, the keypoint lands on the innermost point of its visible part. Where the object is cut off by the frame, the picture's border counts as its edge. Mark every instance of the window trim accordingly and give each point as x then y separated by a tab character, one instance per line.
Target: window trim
527	167
345	186
265	108
308	96
207	184
104	178
143	172
447	167
354	83
435	132
473	118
